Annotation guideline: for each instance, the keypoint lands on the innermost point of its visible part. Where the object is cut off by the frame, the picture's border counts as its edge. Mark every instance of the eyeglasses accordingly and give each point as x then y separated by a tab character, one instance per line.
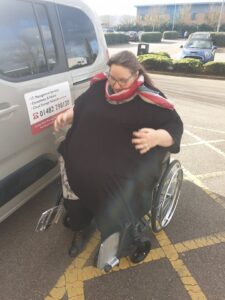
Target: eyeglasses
121	82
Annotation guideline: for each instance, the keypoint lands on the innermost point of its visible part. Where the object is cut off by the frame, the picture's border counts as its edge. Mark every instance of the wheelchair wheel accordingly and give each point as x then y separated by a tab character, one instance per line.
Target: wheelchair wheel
166	198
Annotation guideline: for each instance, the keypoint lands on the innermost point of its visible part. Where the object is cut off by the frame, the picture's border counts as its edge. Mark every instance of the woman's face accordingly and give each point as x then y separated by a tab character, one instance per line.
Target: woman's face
120	78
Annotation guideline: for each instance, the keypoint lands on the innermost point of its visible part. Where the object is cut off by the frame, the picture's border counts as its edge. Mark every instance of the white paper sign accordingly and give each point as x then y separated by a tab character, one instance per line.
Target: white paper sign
45	104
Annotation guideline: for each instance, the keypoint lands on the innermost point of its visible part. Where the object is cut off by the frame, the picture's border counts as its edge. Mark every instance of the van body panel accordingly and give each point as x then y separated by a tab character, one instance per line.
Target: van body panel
28	73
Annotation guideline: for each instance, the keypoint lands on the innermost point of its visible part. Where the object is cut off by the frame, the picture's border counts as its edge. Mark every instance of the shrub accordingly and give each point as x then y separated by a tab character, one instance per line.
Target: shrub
151	37
116	38
218	38
155	62
162	53
214	68
170	35
188	65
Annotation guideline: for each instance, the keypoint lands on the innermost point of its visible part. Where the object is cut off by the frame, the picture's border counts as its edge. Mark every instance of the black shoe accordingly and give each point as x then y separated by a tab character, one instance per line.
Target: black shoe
80	240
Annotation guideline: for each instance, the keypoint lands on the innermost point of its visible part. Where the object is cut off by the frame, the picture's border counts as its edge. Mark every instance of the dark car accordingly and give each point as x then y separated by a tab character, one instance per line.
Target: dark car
201	35
203	50
133	36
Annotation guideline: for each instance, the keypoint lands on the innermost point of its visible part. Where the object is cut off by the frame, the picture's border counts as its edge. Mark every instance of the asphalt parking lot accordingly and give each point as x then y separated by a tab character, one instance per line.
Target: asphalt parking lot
187	260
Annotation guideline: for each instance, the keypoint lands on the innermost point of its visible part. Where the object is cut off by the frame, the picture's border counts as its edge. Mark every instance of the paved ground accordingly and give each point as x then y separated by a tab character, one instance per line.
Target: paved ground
188	258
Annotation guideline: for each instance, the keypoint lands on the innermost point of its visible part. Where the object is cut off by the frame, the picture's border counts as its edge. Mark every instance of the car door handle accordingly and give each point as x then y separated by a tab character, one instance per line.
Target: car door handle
6	109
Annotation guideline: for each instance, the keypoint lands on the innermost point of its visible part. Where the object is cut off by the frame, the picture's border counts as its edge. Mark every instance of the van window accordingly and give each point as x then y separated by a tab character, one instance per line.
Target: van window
21	47
79	37
49	48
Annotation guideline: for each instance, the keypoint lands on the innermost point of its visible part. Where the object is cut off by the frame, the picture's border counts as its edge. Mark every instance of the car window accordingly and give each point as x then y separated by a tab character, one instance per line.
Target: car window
79	37
49	47
21	47
199	44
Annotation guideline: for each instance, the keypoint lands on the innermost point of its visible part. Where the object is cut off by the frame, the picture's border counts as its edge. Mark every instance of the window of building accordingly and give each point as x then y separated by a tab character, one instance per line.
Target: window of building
21	47
79	36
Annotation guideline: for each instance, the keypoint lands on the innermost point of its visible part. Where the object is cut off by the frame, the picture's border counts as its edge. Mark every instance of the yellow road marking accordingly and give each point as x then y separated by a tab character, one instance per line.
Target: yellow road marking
199	183
187	279
72	281
210	175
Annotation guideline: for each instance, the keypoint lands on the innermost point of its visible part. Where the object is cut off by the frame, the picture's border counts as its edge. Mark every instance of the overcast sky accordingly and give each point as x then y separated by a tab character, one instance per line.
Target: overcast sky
127	7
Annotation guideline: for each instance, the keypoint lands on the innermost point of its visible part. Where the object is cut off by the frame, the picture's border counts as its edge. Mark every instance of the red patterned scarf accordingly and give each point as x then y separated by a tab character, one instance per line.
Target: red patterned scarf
137	88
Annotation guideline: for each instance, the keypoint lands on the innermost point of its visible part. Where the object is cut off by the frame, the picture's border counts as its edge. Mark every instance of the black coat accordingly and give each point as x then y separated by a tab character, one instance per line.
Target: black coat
102	164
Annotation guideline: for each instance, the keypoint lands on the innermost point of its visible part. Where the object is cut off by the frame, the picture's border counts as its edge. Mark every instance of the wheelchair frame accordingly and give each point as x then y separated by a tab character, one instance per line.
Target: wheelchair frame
132	241
164	202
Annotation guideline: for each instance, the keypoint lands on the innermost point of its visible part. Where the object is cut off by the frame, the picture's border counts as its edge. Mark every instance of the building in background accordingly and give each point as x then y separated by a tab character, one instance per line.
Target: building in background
179	12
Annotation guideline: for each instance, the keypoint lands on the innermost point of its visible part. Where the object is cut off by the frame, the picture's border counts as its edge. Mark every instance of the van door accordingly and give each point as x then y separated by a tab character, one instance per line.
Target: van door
85	45
29	61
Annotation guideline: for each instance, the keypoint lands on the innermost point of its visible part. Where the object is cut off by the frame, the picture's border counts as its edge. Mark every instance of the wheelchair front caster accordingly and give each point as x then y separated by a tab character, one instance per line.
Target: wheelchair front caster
107	268
140	252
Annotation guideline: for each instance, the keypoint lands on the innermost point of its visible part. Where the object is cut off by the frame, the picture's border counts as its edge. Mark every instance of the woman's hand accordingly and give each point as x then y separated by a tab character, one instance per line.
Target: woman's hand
148	138
63	119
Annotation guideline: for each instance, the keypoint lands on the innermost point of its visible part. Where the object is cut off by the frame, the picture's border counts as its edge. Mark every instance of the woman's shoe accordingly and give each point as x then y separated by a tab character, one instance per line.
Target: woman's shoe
80	240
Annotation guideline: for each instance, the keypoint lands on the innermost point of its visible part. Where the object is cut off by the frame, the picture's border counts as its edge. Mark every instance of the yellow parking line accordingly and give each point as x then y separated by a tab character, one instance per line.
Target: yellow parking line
197	243
177	263
210	175
199	183
72	281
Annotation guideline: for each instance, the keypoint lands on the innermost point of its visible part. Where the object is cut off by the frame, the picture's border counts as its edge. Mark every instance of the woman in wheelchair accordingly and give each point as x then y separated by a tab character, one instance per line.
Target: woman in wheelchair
122	127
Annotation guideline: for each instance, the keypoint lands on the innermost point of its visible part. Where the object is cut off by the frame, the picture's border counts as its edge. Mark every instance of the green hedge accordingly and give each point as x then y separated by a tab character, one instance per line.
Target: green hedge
155	62
218	38
214	68
116	38
170	35
151	37
188	65
160	53
161	61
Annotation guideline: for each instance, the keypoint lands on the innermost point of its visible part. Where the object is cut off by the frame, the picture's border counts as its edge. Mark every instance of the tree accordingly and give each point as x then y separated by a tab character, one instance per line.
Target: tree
184	15
156	17
212	16
127	20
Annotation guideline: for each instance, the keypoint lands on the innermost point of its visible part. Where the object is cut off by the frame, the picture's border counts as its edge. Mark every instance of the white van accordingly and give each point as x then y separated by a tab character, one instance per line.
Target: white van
49	50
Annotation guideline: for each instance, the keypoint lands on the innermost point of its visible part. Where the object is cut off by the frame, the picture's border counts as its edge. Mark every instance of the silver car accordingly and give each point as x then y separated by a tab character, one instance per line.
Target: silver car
49	50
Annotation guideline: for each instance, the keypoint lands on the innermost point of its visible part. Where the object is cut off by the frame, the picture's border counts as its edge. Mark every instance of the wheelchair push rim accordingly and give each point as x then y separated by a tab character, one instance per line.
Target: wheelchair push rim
167	196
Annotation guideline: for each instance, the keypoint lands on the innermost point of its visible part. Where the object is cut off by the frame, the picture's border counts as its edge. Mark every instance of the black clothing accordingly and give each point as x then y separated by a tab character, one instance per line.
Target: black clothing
103	167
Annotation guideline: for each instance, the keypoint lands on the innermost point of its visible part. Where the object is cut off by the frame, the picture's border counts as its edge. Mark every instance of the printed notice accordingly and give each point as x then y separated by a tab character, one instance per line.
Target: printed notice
45	104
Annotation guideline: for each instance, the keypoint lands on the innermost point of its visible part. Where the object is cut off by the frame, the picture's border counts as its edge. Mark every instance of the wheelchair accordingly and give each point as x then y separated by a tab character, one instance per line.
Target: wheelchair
134	240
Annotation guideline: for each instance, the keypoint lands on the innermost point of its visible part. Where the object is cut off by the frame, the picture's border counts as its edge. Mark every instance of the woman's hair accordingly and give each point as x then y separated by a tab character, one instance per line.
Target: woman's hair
128	60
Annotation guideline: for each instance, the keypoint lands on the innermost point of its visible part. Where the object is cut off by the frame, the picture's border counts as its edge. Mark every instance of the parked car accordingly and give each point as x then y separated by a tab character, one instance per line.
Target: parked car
108	30
200	35
133	36
203	50
49	50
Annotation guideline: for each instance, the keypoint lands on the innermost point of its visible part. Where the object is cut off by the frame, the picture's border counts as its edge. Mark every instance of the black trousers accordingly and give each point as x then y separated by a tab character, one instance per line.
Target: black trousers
115	202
